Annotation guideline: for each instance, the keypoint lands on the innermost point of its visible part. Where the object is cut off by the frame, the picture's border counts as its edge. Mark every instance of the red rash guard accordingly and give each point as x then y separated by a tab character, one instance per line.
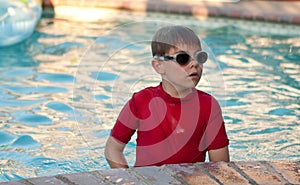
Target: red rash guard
171	130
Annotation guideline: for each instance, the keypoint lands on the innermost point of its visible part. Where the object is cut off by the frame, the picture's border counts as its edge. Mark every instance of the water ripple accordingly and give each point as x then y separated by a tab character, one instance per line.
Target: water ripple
57	78
6	138
281	112
18	73
20	103
61	107
25	142
104	76
269	130
101	97
39	89
30	119
62	48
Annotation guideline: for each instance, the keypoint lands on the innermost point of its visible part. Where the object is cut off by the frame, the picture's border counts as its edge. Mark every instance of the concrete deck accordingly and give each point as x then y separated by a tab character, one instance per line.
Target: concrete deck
258	172
271	11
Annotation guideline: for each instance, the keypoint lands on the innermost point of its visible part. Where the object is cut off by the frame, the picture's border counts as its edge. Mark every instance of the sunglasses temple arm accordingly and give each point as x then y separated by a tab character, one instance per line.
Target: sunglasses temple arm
163	58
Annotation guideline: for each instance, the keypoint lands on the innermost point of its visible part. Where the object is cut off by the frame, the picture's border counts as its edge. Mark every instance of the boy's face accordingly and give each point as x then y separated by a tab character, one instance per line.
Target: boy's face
183	77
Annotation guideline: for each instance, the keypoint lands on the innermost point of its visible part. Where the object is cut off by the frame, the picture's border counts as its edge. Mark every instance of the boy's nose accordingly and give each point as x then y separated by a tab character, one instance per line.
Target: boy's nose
193	63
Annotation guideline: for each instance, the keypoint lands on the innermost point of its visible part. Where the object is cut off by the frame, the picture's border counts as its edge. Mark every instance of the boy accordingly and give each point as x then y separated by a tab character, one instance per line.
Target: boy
175	122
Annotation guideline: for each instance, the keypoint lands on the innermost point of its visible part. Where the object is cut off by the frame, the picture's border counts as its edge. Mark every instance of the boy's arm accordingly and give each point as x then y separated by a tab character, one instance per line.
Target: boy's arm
114	153
221	154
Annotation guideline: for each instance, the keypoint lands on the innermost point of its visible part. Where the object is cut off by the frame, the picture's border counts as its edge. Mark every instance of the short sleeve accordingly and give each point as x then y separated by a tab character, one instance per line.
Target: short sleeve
215	136
126	123
221	140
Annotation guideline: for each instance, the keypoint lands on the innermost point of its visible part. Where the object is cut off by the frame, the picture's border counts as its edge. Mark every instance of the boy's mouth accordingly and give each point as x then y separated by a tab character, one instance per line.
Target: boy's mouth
194	74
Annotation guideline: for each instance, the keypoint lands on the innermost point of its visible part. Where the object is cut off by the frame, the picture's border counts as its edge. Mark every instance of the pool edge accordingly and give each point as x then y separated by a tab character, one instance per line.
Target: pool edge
272	11
238	172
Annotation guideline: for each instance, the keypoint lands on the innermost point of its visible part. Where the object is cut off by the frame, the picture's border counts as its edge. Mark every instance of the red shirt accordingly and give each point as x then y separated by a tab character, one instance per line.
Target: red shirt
171	130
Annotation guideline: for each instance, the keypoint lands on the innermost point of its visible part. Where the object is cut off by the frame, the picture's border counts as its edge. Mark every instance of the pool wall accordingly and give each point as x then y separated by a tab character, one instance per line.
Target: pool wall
266	11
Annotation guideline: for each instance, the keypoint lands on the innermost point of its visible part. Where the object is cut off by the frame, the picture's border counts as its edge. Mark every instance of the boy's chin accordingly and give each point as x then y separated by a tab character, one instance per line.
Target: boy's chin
191	85
194	83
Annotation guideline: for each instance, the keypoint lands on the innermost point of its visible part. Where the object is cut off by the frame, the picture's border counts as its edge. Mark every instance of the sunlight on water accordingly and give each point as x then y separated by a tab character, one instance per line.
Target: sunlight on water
59	100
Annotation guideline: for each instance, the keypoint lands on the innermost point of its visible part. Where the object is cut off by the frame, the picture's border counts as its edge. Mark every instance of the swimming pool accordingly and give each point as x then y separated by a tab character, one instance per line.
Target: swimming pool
63	87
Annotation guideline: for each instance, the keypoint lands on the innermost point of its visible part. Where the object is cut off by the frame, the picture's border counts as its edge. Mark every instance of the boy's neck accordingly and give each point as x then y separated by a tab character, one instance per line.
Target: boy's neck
175	92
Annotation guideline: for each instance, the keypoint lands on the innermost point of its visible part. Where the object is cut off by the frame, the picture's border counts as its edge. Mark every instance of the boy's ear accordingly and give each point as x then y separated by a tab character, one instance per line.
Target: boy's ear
158	66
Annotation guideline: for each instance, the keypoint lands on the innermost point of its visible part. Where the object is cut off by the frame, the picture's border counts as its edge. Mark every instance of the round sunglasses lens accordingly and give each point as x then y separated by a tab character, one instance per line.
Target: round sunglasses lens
201	57
182	59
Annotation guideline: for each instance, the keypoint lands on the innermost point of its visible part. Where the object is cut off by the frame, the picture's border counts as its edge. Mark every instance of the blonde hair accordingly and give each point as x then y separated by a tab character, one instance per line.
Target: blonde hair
171	36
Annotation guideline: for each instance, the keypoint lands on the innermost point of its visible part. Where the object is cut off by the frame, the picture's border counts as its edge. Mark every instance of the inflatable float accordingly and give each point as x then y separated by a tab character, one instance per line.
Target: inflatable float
18	19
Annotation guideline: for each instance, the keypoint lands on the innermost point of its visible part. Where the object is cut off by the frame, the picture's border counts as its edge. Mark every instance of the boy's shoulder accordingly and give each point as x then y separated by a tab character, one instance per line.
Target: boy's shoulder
146	92
206	97
204	94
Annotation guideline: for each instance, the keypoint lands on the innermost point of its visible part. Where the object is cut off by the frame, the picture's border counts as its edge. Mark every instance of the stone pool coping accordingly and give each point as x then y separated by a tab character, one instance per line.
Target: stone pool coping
240	172
258	10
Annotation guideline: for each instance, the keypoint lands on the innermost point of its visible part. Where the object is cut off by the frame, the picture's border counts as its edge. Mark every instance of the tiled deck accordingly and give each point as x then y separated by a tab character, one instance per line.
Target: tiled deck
259	172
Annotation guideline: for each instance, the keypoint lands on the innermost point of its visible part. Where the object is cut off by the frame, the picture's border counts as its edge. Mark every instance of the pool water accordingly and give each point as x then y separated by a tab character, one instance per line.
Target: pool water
61	89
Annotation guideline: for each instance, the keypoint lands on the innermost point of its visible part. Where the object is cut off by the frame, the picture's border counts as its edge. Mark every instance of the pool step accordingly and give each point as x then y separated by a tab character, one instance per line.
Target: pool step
241	172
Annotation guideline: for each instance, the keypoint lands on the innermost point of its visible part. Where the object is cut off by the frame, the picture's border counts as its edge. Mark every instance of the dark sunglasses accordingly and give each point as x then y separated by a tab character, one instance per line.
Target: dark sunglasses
184	58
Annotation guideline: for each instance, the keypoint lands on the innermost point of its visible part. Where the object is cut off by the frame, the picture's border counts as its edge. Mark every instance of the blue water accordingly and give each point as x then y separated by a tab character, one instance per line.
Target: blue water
61	91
